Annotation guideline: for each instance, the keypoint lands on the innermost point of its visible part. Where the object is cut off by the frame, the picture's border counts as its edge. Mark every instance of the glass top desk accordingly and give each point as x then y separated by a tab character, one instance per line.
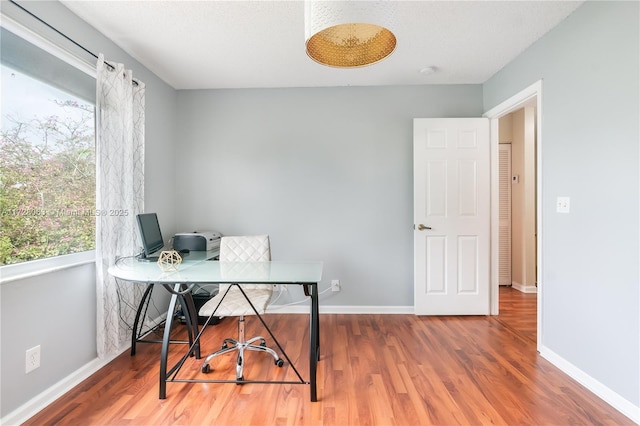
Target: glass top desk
197	269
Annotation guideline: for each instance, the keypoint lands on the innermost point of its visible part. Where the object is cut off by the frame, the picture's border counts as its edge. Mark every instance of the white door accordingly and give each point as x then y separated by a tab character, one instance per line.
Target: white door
451	169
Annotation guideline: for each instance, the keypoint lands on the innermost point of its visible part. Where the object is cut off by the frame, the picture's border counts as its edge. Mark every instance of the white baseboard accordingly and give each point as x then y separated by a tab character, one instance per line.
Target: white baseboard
524	288
607	395
39	402
339	309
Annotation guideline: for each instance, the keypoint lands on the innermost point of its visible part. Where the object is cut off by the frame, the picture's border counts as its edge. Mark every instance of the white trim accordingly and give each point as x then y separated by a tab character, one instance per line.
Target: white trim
34	268
603	392
41	401
524	288
494	282
48	396
515	102
340	309
37	40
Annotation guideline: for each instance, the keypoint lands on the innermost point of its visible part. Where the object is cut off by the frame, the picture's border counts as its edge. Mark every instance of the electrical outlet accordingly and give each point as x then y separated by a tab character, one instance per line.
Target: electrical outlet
335	285
563	205
32	359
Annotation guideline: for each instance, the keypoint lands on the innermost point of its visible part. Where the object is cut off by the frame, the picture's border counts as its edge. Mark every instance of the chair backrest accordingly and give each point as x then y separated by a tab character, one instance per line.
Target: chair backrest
249	248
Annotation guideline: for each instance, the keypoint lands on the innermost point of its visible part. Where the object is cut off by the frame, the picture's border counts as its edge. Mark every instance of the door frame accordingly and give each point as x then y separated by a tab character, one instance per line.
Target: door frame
529	95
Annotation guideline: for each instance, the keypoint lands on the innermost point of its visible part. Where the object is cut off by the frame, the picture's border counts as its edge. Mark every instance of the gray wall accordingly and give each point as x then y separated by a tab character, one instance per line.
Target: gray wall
58	310
327	173
590	139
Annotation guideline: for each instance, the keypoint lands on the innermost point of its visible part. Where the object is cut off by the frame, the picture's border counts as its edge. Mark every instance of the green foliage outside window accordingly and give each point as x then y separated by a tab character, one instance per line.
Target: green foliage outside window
47	184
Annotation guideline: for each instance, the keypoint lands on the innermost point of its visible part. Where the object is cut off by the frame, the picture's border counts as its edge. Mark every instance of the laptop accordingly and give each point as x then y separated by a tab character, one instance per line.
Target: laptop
151	236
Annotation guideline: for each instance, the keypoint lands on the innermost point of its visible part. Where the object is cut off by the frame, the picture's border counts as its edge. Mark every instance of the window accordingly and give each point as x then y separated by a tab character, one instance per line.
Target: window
47	155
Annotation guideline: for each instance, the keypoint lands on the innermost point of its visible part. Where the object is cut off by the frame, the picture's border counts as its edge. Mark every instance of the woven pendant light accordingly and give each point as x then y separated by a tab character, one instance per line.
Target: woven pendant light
350	33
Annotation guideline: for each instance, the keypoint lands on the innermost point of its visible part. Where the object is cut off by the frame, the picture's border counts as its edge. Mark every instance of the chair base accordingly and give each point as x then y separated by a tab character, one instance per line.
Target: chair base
230	345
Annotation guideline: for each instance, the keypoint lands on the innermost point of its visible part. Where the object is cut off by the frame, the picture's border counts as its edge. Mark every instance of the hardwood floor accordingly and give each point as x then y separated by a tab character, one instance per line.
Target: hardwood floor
374	370
518	311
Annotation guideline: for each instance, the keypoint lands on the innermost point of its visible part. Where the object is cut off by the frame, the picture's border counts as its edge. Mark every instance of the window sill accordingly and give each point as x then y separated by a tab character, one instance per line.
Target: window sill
20	271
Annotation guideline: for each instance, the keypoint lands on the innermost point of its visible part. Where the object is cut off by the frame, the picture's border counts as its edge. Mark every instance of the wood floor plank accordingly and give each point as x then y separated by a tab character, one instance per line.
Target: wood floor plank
374	370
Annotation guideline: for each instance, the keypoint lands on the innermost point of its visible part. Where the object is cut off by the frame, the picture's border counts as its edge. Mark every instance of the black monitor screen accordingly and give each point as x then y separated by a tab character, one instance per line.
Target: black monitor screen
150	233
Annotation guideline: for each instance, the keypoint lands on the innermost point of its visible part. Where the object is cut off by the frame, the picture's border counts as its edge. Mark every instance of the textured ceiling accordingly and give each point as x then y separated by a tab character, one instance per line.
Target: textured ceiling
241	44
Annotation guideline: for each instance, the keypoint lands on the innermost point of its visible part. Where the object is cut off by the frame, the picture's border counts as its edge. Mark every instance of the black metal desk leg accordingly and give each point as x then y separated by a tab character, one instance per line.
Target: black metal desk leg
317	323
191	320
134	335
314	342
164	353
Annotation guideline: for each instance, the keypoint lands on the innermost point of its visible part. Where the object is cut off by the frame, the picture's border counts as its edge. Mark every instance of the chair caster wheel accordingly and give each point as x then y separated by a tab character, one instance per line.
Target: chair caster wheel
239	380
279	362
263	343
205	368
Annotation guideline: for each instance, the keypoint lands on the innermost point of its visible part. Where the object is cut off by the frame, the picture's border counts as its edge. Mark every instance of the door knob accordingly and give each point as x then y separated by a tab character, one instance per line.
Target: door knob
421	227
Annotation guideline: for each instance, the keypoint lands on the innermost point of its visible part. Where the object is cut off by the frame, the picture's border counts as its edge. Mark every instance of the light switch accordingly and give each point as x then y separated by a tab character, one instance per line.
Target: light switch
563	205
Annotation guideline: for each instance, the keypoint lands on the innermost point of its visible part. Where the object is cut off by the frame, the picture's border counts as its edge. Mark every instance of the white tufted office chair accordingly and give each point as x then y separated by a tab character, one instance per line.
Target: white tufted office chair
241	249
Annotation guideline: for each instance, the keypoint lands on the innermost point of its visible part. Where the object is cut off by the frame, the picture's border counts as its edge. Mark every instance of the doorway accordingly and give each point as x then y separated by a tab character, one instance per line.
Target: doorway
529	98
517	212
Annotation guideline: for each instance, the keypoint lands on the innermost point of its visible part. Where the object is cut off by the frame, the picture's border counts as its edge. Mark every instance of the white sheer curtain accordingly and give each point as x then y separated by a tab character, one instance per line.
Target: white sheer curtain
120	196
